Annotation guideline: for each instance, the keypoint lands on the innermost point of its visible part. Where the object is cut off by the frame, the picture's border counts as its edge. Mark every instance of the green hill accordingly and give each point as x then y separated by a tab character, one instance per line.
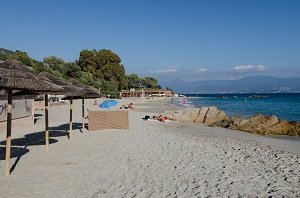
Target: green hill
4	53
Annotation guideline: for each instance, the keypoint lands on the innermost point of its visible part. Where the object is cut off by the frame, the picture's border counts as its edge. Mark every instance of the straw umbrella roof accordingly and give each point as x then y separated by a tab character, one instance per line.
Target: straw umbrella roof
15	65
18	94
85	96
54	79
90	92
16	75
67	88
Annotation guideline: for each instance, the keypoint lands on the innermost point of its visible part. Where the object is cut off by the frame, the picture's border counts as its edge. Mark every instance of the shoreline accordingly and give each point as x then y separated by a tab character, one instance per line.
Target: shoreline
282	142
150	159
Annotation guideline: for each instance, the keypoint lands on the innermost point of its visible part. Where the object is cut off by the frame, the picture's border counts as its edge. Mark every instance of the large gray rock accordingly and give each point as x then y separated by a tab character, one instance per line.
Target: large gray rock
258	123
261	124
284	128
201	115
214	115
189	115
207	115
184	115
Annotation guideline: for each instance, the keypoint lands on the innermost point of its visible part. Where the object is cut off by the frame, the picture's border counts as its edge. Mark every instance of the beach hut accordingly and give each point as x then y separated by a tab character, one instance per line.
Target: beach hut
67	89
16	76
89	94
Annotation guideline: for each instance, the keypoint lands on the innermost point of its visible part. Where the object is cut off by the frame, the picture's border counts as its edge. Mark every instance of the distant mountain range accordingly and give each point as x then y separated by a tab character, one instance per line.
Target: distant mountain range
251	84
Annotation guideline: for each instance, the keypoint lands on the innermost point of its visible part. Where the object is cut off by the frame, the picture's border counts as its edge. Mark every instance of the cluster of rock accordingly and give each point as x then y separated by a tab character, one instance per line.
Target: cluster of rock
212	116
207	115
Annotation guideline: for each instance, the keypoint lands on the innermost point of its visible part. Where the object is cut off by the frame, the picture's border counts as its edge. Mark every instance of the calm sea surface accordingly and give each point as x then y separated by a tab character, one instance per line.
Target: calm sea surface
284	106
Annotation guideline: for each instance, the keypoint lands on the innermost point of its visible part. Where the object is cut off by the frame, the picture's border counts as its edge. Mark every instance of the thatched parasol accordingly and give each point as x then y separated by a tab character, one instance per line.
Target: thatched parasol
15	75
90	93
18	94
67	89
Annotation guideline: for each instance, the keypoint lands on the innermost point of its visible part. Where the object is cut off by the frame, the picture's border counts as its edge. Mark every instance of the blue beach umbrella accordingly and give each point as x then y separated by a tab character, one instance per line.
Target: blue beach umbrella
108	103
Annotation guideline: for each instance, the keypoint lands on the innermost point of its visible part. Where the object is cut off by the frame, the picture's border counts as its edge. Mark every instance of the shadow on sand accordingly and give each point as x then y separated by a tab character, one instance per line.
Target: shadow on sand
15	152
19	145
37	117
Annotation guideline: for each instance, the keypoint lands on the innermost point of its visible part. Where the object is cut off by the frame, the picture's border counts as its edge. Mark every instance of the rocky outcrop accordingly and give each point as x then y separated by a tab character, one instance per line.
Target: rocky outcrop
207	115
255	124
261	124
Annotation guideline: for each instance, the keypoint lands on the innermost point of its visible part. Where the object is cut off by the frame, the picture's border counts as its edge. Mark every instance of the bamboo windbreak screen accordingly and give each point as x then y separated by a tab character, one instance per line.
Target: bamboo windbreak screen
108	120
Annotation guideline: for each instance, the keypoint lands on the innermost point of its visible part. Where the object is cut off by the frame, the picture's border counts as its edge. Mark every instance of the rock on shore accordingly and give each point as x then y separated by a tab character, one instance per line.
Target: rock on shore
207	115
261	124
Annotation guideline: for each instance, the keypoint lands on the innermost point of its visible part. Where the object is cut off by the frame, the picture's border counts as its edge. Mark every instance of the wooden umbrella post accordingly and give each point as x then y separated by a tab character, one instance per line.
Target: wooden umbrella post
70	126
46	123
8	132
82	114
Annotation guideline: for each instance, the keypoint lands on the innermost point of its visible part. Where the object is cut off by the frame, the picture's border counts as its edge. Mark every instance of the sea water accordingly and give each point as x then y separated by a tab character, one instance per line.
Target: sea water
285	106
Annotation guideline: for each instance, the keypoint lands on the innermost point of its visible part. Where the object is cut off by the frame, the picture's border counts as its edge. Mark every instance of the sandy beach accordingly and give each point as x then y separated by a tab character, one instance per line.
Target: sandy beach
151	159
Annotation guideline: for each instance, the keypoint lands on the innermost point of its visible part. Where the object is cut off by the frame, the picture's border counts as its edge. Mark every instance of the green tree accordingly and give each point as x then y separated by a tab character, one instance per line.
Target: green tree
87	78
88	60
4	54
105	56
39	67
112	72
150	82
105	66
22	57
72	70
123	84
134	81
54	63
26	60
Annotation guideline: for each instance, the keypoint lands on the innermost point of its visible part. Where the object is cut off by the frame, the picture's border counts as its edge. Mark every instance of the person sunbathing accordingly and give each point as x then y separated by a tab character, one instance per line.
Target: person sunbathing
130	106
123	107
162	118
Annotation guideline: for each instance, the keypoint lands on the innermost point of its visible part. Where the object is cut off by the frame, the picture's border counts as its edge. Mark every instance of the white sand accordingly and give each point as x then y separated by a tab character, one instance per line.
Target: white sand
152	159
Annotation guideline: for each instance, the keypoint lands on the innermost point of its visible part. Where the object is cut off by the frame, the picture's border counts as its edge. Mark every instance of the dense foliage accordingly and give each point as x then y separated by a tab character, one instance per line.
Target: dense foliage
101	69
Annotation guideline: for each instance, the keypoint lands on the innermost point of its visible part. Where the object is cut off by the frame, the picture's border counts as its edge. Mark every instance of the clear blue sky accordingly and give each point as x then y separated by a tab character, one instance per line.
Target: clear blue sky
168	39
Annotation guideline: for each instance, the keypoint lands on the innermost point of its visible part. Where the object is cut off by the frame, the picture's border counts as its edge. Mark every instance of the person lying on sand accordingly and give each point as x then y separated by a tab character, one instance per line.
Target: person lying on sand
130	106
123	107
160	118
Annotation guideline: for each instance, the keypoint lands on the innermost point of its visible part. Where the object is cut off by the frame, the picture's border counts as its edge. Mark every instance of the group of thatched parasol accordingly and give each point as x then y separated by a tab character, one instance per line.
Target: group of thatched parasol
16	76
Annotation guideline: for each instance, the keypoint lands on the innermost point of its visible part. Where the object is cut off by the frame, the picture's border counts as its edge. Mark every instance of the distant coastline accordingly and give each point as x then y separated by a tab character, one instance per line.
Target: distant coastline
249	84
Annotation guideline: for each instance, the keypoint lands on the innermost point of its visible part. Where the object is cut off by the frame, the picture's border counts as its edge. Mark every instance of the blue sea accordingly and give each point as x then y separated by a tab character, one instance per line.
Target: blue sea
283	105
